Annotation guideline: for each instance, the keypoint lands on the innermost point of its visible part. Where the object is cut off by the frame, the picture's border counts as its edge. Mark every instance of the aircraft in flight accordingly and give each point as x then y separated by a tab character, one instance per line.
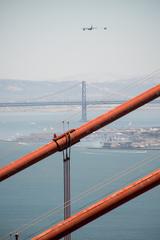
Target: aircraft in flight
89	28
92	28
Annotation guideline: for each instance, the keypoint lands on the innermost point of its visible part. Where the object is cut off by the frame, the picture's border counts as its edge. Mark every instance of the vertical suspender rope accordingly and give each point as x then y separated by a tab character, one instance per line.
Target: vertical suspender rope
66	172
59	143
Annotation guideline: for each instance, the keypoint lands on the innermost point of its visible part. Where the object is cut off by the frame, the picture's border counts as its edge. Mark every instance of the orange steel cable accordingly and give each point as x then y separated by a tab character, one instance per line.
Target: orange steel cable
61	142
101	207
82	195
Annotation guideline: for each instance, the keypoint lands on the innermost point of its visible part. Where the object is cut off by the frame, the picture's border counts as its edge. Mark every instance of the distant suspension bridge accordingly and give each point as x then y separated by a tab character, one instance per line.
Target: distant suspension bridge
63	143
83	102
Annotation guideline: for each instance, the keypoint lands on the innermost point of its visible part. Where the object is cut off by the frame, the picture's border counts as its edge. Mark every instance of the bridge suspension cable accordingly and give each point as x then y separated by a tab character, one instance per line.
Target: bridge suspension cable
95	188
124	89
57	92
130	85
142	80
157	92
60	143
109	92
101	207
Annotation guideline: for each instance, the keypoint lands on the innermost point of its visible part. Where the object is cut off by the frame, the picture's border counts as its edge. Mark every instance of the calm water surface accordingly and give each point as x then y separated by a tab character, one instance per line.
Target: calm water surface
39	188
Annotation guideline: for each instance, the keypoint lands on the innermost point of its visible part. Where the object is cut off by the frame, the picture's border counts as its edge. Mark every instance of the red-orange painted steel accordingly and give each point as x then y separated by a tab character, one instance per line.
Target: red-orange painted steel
79	133
100	208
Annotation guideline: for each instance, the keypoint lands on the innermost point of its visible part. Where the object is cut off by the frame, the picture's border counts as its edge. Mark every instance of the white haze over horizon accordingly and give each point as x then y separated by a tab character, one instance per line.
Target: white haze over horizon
44	40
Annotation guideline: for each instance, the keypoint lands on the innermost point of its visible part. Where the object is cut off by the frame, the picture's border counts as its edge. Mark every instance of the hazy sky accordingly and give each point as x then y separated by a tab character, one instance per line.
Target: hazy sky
43	39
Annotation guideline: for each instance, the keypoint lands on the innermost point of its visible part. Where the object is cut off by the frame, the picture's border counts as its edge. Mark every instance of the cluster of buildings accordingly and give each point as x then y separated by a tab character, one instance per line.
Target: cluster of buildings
132	138
109	138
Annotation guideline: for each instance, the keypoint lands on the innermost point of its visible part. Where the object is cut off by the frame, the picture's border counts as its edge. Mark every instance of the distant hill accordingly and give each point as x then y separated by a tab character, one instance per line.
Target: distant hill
26	90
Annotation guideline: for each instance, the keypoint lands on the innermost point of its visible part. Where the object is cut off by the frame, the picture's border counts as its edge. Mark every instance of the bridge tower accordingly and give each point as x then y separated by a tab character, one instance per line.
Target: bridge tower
84	103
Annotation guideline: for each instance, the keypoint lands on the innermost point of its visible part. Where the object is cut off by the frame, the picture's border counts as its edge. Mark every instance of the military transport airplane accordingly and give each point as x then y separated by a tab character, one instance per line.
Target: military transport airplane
92	28
89	28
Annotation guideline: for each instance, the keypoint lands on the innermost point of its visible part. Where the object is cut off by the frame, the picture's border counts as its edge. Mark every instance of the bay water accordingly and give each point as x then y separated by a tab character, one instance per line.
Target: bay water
38	190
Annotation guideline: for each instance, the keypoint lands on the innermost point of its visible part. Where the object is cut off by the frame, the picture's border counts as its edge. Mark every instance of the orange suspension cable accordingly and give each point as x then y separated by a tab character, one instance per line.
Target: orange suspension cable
60	143
101	207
